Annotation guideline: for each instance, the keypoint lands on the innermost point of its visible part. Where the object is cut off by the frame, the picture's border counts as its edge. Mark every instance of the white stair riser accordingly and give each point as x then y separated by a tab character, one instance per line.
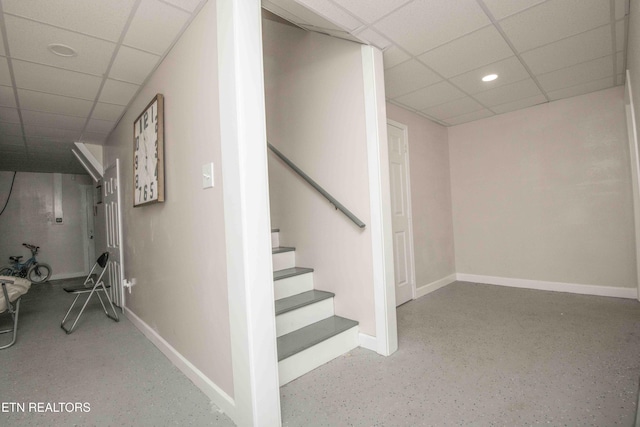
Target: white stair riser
293	285
275	239
300	363
304	316
284	260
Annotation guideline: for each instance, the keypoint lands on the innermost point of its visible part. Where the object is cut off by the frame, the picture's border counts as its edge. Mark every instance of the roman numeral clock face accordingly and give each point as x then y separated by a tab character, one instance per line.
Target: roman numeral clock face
148	154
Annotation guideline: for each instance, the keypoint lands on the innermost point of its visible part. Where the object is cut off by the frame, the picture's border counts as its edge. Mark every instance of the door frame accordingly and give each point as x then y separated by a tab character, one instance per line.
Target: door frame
634	157
412	262
86	206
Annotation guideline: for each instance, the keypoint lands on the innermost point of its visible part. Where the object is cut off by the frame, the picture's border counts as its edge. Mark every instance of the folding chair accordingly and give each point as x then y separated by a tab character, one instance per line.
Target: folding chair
91	287
12	290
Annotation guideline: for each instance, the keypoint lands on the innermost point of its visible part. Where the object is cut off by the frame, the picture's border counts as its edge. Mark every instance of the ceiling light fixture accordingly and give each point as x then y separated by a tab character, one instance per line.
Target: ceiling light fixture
62	50
489	77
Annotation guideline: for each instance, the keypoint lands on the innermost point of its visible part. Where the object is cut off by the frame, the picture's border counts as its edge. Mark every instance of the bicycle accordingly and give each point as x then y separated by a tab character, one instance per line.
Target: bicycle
32	269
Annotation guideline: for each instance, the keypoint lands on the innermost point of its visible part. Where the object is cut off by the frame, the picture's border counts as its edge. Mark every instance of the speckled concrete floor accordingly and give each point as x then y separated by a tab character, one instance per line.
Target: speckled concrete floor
112	366
484	355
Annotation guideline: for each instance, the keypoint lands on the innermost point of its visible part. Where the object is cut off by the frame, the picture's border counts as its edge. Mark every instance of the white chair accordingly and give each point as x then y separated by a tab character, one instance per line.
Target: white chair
91	286
12	290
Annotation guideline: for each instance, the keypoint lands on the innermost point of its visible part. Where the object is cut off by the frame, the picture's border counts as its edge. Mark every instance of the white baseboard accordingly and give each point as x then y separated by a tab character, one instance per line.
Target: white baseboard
67	276
368	342
208	387
574	288
434	286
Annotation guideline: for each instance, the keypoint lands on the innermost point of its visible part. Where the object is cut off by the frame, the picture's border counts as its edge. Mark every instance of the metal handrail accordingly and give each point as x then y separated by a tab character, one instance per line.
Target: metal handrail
329	197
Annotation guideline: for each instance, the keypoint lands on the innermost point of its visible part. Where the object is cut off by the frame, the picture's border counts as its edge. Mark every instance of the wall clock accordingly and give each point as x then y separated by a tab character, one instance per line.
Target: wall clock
148	154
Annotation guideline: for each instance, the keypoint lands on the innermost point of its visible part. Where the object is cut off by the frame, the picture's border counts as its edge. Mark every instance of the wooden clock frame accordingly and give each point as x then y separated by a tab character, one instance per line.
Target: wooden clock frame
160	99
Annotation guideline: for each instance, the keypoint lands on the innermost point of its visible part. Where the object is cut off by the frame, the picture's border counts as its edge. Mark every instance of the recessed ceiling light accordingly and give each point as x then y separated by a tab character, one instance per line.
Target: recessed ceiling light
62	50
489	77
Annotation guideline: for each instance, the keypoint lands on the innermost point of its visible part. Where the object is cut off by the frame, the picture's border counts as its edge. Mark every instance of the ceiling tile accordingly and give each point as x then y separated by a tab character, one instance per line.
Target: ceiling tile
503	8
581	89
394	56
621	28
7	97
469	117
188	5
372	37
521	103
9	115
12	140
407	77
9	148
49	146
5	76
133	65
554	20
577	74
28	40
53	133
436	94
104	19
509	70
425	24
621	8
467	53
508	93
155	26
371	11
45	102
570	51
100	126
2	51
94	138
116	92
54	80
13	129
454	108
36	118
109	112
332	12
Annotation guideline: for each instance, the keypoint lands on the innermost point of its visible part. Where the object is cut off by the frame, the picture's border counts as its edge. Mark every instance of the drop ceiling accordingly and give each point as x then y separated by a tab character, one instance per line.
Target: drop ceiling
48	102
437	51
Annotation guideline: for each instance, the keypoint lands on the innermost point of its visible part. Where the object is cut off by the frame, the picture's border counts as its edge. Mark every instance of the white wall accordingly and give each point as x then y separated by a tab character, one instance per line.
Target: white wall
633	54
316	117
29	218
176	250
430	196
544	193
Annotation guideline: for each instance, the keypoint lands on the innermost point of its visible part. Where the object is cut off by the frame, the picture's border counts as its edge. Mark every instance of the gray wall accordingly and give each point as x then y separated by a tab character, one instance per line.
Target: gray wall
430	196
29	218
544	193
316	117
176	250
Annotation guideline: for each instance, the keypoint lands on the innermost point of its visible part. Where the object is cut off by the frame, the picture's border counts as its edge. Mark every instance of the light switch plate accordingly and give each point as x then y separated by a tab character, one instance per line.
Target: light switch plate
207	175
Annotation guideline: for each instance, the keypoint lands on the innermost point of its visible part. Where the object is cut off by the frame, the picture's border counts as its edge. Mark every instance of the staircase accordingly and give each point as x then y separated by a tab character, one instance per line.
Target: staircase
309	333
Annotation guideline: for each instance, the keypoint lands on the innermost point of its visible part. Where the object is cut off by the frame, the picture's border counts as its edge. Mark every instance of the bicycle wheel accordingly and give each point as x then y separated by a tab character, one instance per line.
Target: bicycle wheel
6	271
39	273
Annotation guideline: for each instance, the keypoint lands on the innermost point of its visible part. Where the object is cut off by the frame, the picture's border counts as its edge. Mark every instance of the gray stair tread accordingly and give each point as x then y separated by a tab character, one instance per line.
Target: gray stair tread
300	300
275	230
303	338
290	272
281	249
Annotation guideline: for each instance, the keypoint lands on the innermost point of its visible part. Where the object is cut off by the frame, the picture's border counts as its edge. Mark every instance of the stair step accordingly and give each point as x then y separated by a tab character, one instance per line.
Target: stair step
304	338
282	249
290	272
303	299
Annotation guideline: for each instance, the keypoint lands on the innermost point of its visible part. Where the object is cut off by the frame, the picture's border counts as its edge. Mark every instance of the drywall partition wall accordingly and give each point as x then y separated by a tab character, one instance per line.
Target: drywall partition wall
544	194
29	218
316	117
176	250
633	53
430	196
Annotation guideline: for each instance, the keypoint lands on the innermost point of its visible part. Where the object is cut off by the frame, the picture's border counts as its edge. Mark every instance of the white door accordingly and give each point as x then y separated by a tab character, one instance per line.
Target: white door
112	198
401	214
